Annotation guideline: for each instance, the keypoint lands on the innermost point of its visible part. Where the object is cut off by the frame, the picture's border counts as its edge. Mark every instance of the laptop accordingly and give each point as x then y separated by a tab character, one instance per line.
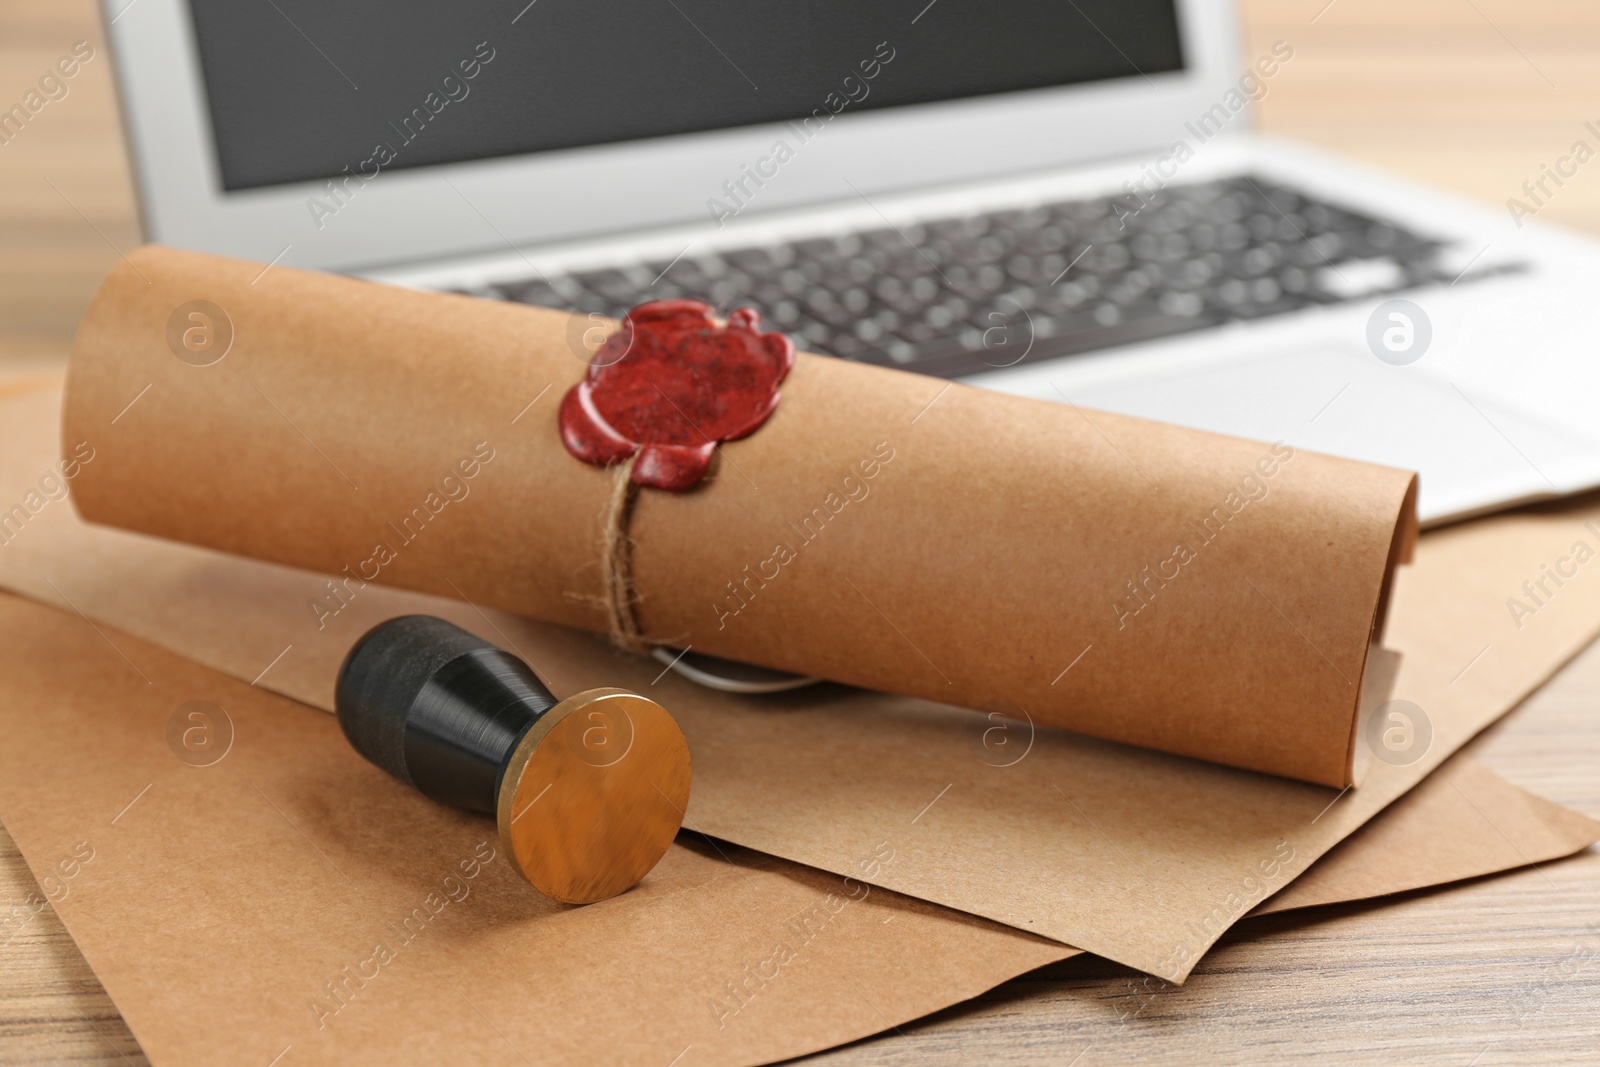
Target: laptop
1059	200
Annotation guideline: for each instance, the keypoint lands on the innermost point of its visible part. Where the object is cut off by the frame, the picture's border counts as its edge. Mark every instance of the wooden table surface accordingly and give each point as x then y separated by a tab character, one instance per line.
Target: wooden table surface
1470	94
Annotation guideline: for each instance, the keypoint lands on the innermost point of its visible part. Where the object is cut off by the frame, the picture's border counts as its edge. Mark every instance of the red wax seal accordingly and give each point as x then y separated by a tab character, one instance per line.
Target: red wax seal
669	385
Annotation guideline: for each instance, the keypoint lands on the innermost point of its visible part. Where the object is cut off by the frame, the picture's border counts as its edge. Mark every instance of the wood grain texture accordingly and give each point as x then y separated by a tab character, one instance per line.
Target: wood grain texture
1469	94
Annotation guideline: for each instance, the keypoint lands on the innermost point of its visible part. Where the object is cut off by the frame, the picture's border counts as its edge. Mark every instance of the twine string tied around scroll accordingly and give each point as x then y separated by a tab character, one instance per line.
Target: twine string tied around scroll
616	575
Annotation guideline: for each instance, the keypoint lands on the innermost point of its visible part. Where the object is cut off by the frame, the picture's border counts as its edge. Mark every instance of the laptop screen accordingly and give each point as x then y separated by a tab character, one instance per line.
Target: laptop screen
308	90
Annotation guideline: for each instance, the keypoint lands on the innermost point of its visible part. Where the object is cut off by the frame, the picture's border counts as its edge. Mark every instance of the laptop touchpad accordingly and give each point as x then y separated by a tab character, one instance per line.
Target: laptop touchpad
1470	451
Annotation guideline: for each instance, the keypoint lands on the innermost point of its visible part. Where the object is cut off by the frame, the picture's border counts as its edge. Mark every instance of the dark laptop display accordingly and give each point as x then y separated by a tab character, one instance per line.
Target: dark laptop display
301	90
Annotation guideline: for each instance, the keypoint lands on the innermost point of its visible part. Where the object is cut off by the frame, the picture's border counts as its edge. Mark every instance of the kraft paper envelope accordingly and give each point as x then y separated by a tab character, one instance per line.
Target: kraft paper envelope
272	895
1138	856
882	529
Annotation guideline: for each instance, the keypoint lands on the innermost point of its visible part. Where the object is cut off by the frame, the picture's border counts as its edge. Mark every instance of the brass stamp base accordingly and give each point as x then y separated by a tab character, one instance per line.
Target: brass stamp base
594	794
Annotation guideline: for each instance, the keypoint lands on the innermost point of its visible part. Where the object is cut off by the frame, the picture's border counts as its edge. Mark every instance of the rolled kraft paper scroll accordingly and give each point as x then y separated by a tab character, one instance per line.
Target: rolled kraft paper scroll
1194	593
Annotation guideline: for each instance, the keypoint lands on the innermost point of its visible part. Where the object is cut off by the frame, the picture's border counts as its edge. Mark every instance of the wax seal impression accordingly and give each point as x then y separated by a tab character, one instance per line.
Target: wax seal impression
669	386
588	792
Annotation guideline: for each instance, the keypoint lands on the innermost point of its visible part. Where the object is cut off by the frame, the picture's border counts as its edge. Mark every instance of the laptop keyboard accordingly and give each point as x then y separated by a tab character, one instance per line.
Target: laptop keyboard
958	296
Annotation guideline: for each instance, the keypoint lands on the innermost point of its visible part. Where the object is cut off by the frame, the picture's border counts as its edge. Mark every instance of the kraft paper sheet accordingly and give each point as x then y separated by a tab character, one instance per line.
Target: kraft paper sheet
328	914
1145	583
1138	856
293	897
1462	818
